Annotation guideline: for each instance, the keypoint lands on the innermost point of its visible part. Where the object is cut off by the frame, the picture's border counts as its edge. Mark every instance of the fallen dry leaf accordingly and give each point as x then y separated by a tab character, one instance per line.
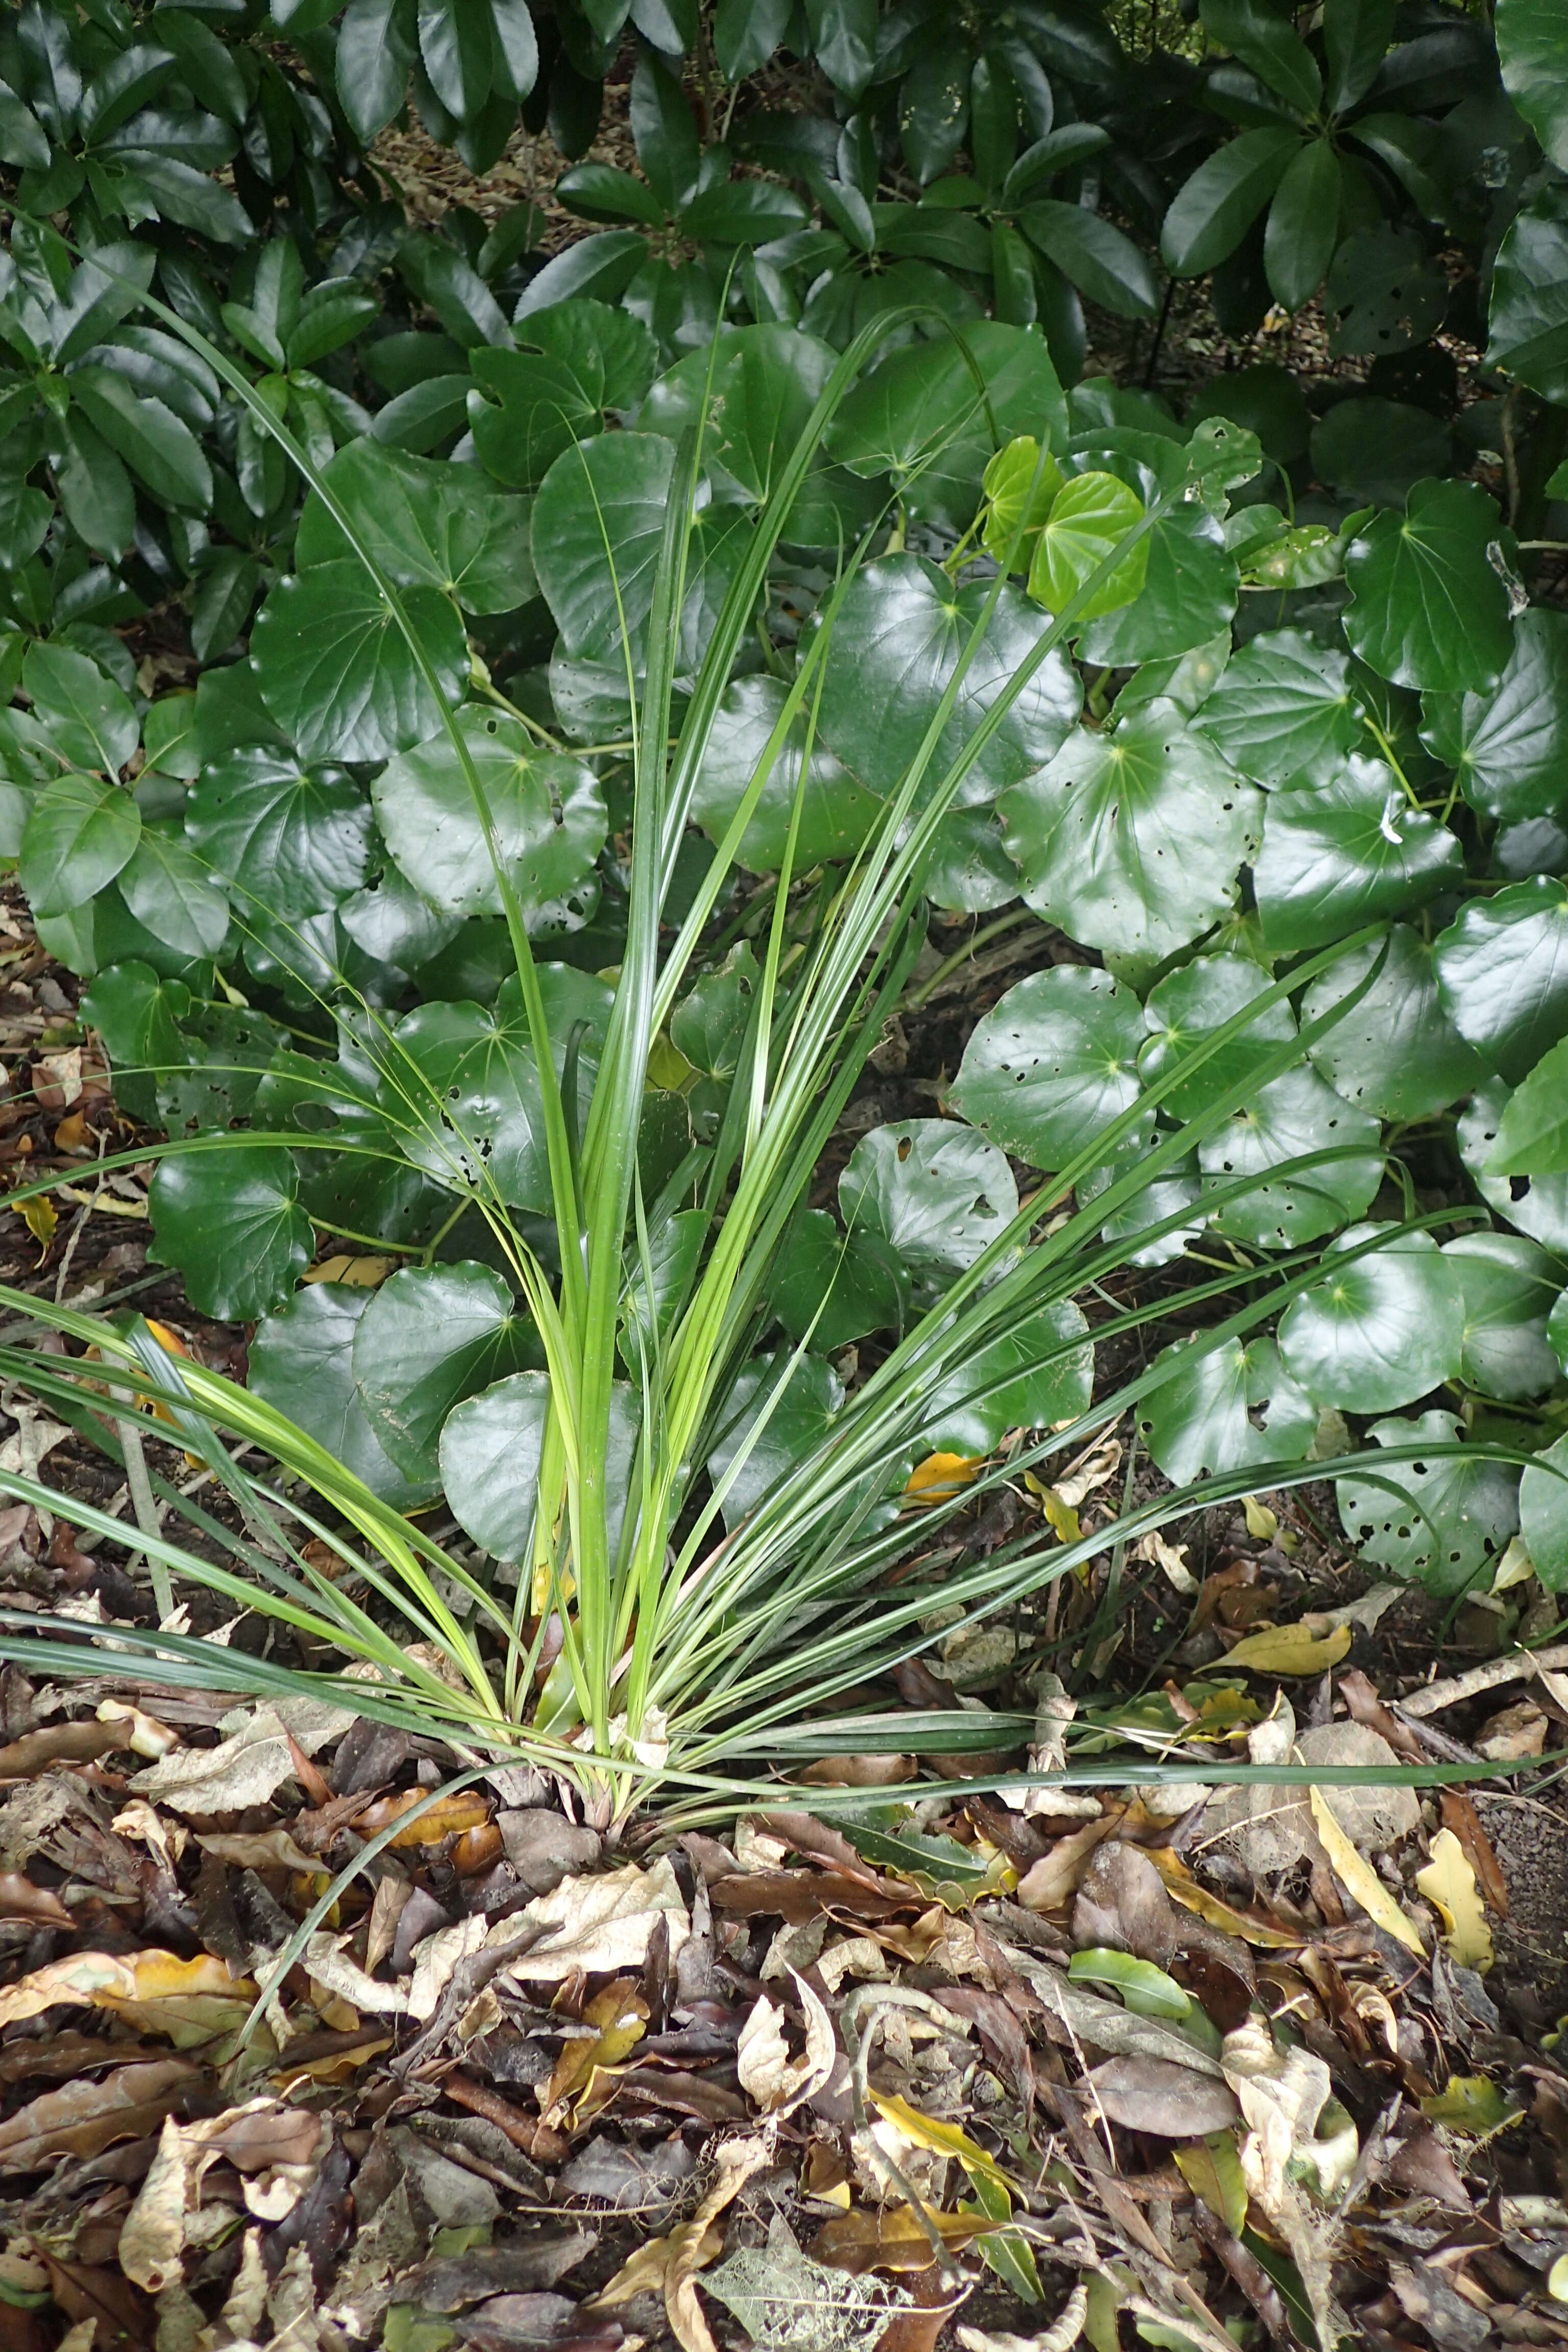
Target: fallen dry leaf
778	2082
1059	2336
1158	2096
85	2116
466	1809
1449	1882
673	2262
1358	1879
1282	2094
1289	1650
246	1770
1056	1878
105	1980
604	1924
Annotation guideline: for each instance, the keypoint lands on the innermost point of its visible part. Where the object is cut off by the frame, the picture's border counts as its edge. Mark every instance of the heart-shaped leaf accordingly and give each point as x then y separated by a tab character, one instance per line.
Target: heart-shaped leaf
427	525
1510	749
834	1287
1283	707
1503	973
835	812
293	838
339	675
230	1222
1344	851
79	834
1429	607
302	1361
939	1194
1510	1288
1394	1053
430	1336
773	1417
1293	1116
1187	1007
1040	1373
549	817
1052	1065
1198	1422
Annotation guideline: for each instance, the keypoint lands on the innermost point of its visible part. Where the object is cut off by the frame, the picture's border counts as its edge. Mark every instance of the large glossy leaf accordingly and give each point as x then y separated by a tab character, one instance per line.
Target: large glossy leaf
1394	1053
548	812
81	833
1190	590
173	894
832	1287
1187	1007
1440	1520
1533	1140
480	1113
1510	749
587	361
229	1220
1537	1205
936	1191
1266	42
760	387
301	1362
292	839
1283	707
430	1336
762	1433
932	419
1530	42
1293	1116
835	814
1510	1287
1529	319
1052	1065
1040	1373
337	673
1428	608
84	716
1376	450
490	1448
1503	973
1303	223
598	522
157	446
427	525
1346	851
1093	254
898	639
1379	1329
1213	211
1543	1515
1199	1422
1131	841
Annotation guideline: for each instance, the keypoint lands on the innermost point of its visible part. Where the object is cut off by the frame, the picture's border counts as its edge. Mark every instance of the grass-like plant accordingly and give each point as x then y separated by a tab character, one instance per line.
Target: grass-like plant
656	1641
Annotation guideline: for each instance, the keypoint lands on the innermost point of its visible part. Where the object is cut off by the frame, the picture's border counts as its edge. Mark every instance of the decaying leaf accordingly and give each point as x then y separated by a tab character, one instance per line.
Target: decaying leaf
262	2138
1283	2096
787	2303
105	1980
327	1961
1289	1650
246	1770
1060	2336
673	2262
1161	2096
603	1925
1358	1879
87	2116
1449	1882
769	2075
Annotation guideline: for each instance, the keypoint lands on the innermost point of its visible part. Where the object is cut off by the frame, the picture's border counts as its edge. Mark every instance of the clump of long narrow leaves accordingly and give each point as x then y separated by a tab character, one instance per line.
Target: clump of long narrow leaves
680	1653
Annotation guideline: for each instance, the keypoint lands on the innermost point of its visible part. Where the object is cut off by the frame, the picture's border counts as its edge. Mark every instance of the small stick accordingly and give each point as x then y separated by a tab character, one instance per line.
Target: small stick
1492	1676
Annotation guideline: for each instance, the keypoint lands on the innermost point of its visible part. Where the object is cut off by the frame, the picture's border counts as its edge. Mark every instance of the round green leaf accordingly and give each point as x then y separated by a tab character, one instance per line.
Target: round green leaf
969	871
1198	1422
1511	749
1283	707
1344	851
1537	1205
1510	1288
1189	595
937	1191
1438	1519
760	1435
1428	609
1395	1053
1266	400
1040	1373
431	1336
79	834
1543	1515
490	1451
1187	1007
1503	973
898	639
835	814
598	524
1293	1114
428	525
1376	449
835	1287
228	1220
293	838
1089	516
301	1362
1131	841
1380	1329
1052	1065
173	895
337	673
548	813
1172	1195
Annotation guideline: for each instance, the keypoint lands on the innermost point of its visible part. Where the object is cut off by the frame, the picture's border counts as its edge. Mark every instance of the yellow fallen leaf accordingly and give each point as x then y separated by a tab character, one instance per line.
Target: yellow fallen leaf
1212	2170
1186	1890
1260	1519
356	1272
106	1979
40	1218
943	2138
1358	1879
940	1477
1060	1517
1289	1650
1450	1883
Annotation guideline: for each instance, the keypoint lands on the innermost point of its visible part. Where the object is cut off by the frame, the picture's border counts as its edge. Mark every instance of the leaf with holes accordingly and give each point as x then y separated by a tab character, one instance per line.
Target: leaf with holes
291	838
549	817
301	1362
939	1194
1199	1421
1439	1518
1395	1052
1293	1117
337	673
229	1220
1052	1065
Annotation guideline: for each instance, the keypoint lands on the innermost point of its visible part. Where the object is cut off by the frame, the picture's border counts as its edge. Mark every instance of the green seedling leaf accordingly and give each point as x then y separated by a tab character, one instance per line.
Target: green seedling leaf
1089	518
1020	485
